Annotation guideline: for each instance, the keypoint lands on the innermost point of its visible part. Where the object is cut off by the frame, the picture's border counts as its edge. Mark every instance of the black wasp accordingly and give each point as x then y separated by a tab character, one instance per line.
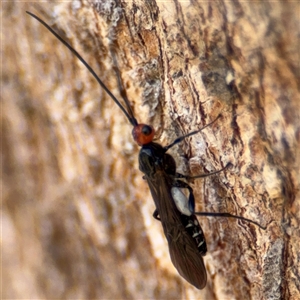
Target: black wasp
174	210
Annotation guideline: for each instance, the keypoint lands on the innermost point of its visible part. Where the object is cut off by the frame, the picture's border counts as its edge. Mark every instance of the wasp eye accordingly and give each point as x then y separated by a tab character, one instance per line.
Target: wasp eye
147	130
143	134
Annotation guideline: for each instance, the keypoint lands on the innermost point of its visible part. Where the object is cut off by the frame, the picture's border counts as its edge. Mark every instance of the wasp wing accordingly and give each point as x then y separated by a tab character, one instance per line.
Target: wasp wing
187	259
182	246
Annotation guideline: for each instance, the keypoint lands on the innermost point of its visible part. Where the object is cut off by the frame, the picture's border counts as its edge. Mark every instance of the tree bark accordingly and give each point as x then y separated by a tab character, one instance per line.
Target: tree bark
77	215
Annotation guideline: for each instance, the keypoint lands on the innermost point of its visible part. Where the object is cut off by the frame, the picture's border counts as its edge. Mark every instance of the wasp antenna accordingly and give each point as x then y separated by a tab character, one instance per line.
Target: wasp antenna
121	86
129	115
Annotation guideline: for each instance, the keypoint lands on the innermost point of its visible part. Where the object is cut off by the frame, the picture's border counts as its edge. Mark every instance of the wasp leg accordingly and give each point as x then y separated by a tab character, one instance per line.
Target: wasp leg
181	184
181	138
178	175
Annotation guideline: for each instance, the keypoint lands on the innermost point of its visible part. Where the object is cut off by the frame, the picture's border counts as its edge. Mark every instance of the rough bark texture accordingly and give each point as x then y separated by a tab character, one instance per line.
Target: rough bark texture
77	216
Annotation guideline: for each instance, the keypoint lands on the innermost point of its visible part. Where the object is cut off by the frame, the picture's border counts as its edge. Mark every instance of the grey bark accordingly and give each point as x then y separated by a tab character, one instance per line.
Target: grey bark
76	214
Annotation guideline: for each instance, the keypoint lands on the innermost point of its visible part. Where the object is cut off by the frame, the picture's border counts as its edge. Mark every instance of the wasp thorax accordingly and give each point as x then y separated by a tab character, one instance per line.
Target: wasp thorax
143	134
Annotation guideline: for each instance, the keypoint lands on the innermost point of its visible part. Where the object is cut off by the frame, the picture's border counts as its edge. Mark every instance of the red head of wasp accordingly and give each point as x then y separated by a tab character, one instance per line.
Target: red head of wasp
174	210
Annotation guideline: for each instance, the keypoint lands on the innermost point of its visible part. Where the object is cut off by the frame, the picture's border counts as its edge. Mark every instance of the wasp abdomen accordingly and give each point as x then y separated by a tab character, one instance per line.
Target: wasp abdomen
194	229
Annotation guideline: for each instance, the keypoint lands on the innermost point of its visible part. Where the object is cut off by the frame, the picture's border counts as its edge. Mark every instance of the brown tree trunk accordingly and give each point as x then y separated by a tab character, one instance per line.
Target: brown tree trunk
77	216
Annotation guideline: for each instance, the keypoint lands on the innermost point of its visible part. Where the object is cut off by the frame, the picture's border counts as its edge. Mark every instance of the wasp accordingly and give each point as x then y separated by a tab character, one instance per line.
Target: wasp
174	209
